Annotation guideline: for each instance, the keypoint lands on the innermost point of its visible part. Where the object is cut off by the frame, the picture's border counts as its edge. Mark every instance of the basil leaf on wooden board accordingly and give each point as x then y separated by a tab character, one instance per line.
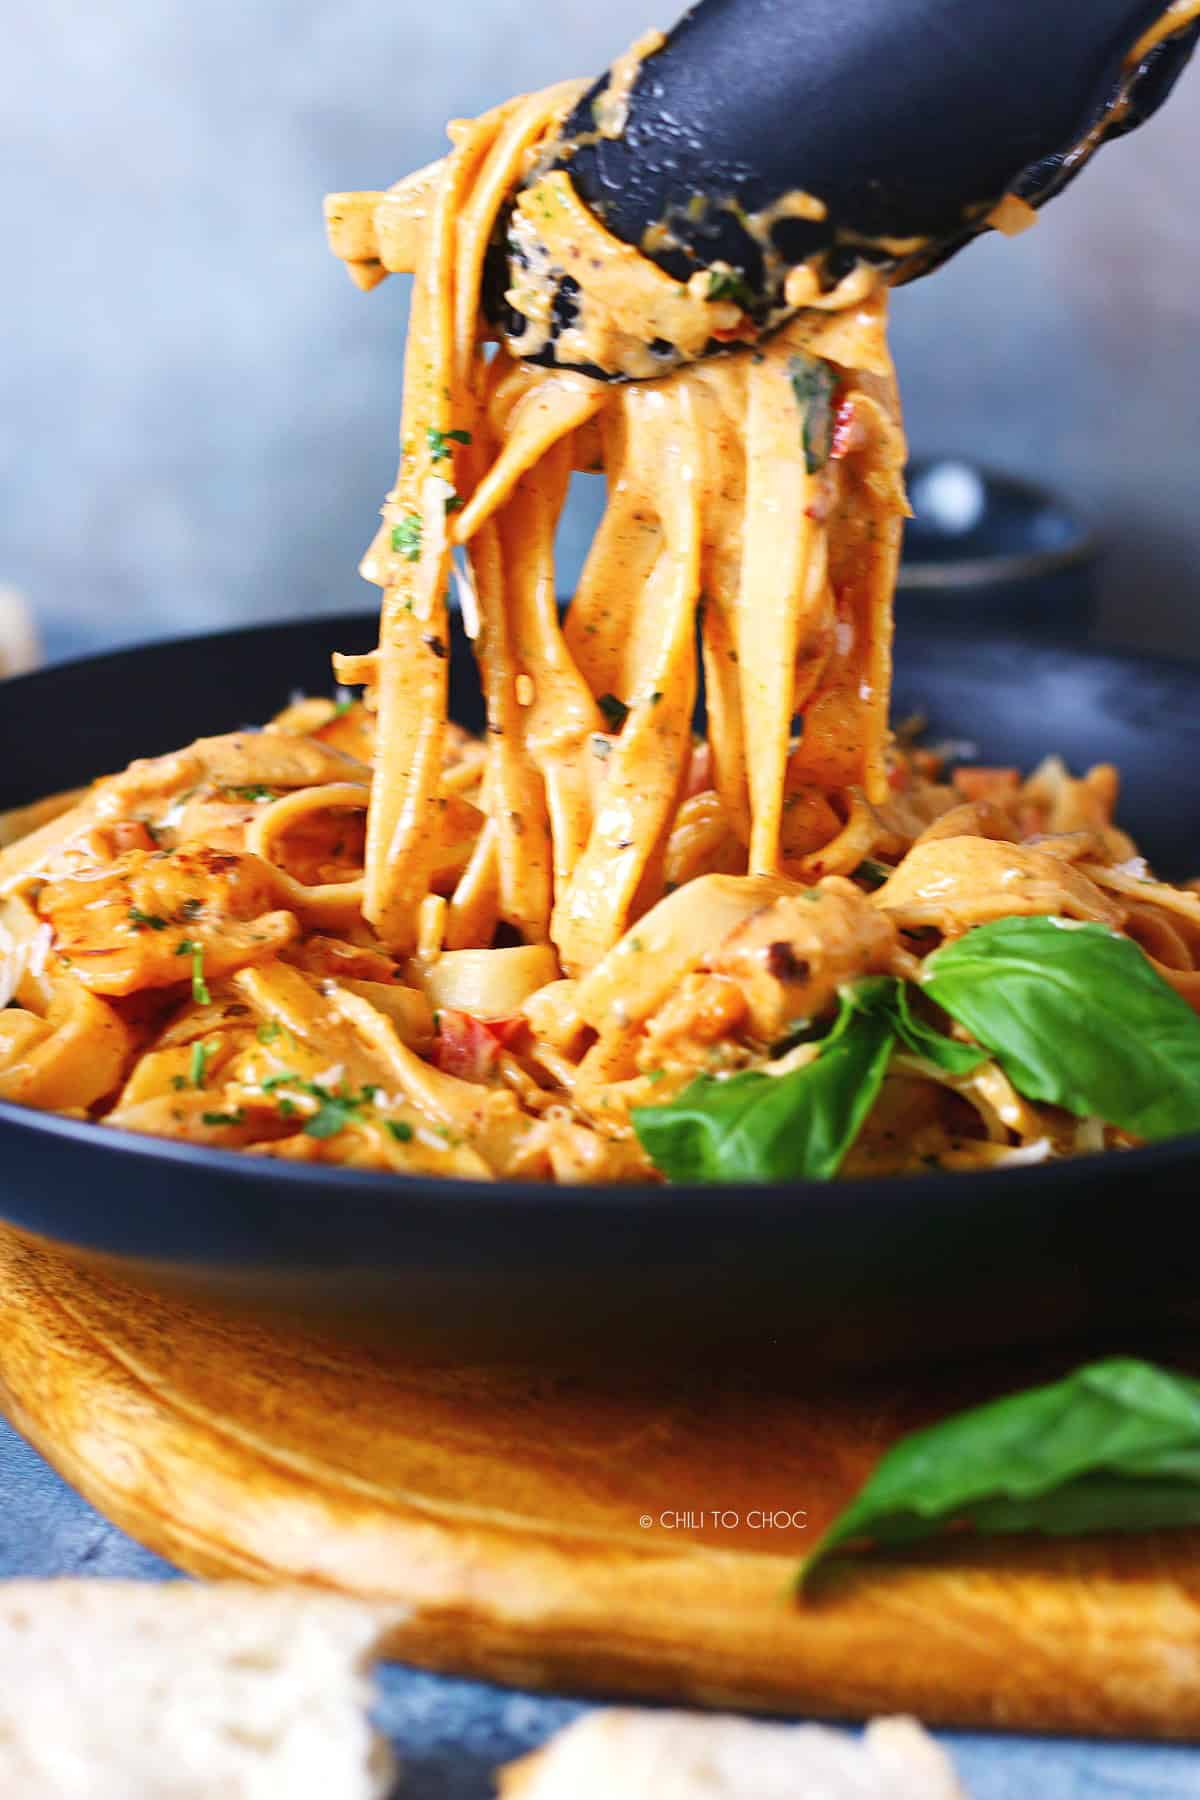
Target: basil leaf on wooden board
1076	1016
753	1127
1115	1446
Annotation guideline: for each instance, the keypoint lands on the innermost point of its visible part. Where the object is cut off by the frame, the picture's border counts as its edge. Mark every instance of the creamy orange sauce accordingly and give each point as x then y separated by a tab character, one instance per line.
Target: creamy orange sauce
611	108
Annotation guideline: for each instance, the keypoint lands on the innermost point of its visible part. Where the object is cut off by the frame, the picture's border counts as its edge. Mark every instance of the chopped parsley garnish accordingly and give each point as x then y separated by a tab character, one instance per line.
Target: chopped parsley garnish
190	909
144	921
454	503
198	1064
200	993
285	1078
439	442
406	537
400	1129
287	1108
614	710
729	284
256	791
335	1109
227	1118
341	708
266	1034
872	872
330	1117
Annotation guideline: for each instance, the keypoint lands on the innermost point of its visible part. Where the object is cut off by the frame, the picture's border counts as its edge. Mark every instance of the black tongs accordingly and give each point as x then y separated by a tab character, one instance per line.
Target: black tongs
907	121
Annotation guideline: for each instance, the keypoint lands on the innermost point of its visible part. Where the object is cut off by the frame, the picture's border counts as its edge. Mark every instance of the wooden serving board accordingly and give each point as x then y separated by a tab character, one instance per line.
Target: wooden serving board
579	1533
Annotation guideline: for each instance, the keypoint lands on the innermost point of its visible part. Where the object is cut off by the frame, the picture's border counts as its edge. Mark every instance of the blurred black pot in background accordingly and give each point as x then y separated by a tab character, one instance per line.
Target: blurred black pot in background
991	552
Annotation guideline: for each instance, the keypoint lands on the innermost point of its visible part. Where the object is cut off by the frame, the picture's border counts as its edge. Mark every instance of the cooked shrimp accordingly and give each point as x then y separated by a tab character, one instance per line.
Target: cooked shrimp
790	958
154	919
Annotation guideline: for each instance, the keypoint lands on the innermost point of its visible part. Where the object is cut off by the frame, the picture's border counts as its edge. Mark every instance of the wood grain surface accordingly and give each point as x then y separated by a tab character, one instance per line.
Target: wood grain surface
503	1510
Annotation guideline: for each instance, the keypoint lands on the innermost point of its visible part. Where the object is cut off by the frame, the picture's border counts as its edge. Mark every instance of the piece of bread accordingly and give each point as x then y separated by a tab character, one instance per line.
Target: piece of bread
19	648
127	1690
622	1754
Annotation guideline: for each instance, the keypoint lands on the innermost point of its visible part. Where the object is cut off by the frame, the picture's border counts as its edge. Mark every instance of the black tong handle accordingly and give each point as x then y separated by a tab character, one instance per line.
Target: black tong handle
907	120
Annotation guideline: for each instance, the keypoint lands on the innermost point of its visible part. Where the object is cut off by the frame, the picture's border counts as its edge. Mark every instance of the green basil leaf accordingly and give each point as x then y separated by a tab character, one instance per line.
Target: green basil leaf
753	1127
925	1040
814	384
1076	1016
886	995
1115	1446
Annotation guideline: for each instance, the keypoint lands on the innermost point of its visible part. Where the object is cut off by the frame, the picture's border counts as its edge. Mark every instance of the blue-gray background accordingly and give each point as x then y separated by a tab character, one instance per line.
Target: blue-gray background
197	409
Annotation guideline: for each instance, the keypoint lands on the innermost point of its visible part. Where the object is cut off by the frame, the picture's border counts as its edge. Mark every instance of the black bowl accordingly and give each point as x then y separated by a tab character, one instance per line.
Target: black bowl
848	1272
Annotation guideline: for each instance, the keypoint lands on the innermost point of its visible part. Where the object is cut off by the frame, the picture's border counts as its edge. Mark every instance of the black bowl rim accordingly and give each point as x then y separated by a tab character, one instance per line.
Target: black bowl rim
764	1200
